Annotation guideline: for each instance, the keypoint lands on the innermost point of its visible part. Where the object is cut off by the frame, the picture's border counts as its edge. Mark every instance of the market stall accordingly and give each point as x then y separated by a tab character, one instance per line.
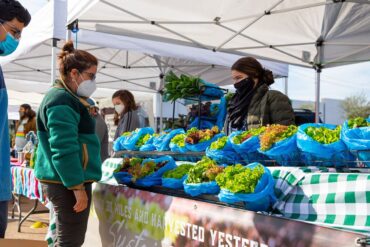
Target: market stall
133	214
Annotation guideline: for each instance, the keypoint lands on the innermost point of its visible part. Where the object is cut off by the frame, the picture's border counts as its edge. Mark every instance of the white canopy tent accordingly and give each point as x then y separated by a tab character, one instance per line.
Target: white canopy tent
133	63
129	62
316	33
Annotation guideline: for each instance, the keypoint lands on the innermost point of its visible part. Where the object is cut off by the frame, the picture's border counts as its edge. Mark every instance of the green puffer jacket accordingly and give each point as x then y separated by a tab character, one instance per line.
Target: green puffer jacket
269	107
69	150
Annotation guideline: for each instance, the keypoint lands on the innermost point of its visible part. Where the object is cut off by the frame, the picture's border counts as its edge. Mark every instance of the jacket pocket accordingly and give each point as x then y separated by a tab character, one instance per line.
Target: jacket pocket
85	156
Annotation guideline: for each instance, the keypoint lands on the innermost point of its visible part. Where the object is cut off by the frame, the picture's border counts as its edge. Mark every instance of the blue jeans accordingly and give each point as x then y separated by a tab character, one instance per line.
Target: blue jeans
3	217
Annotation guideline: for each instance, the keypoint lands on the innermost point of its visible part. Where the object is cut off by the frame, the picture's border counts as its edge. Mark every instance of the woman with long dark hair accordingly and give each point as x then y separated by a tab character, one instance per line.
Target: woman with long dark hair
254	104
129	115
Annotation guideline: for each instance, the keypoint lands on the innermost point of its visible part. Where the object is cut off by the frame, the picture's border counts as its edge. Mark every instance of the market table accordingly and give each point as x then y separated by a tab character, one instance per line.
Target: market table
315	207
25	184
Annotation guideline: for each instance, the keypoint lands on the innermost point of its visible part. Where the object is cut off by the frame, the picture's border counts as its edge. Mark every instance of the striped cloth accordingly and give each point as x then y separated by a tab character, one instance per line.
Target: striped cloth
25	184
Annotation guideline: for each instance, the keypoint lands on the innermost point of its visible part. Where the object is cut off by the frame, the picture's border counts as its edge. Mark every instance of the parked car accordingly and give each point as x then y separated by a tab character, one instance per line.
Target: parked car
303	116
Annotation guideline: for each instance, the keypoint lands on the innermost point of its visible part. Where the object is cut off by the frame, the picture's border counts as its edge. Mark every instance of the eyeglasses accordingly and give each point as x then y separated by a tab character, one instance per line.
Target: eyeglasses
92	76
13	29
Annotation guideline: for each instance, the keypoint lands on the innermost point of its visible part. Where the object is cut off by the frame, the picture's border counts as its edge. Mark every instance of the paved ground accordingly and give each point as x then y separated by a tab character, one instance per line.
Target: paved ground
26	231
92	235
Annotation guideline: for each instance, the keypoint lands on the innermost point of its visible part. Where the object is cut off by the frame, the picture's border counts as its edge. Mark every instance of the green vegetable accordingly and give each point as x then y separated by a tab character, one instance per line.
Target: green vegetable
219	144
245	135
324	135
178	172
204	170
179	140
275	133
240	179
142	140
358	122
181	87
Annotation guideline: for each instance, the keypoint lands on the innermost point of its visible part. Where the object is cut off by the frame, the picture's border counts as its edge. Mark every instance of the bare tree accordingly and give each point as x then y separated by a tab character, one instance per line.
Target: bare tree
356	105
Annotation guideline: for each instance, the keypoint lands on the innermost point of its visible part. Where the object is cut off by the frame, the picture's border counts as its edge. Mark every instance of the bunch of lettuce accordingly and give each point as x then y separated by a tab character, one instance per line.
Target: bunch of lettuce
204	170
275	133
179	140
219	144
142	140
358	122
194	136
178	172
240	179
324	135
245	135
127	163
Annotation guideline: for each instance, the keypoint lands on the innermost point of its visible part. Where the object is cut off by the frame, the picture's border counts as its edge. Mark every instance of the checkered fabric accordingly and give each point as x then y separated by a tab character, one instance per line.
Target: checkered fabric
322	196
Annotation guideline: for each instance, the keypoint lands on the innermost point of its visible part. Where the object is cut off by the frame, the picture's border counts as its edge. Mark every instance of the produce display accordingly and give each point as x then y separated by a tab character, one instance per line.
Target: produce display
240	179
245	135
275	133
181	87
204	170
194	136
178	172
219	144
358	122
324	135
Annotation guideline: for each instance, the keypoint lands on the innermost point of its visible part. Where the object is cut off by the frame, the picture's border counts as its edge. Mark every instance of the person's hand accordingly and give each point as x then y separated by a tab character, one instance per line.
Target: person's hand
81	200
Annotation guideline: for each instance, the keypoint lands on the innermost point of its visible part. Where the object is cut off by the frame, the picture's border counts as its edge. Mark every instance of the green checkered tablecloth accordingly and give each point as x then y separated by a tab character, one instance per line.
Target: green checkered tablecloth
315	194
323	196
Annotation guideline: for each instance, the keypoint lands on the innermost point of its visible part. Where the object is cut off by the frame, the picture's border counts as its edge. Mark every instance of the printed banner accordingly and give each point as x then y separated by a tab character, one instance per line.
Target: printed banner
135	218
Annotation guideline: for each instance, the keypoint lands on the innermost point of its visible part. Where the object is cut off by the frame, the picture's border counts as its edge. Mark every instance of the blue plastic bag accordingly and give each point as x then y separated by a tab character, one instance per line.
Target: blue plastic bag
156	177
129	142
147	147
204	124
177	149
284	152
201	188
211	91
123	177
262	198
248	150
358	141
117	144
315	153
202	146
227	155
162	142
174	183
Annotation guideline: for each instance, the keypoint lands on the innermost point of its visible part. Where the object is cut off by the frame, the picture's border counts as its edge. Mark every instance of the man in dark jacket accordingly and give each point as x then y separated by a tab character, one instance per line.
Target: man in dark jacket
13	18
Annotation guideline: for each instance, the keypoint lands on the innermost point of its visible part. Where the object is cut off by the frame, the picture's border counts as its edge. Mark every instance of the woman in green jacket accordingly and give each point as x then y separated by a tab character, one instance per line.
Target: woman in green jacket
68	155
254	104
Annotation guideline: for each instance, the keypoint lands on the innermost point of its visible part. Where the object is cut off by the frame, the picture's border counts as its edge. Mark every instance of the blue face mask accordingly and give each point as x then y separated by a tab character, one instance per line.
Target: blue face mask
8	45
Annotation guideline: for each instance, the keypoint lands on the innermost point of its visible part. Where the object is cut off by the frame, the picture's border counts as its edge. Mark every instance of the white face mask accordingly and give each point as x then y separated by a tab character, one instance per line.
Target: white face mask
86	88
119	108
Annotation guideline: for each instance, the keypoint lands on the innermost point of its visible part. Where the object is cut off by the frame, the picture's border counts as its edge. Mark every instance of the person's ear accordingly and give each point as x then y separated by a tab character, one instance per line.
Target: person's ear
74	74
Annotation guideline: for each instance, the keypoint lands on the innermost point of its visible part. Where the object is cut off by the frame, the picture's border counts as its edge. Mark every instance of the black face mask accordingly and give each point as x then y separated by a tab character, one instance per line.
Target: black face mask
244	84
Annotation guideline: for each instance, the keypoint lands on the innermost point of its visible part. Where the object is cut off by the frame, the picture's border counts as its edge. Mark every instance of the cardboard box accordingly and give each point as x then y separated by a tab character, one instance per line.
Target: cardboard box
22	243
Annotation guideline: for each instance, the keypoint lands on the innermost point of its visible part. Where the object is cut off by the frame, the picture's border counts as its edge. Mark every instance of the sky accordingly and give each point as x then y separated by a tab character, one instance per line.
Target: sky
336	83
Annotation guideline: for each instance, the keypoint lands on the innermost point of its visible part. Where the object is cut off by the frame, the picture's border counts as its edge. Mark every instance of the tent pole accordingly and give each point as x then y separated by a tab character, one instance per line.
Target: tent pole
161	76
53	60
286	86
317	94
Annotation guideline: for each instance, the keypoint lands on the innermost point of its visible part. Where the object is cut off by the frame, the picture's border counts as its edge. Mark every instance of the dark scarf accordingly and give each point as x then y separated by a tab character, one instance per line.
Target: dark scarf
238	107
